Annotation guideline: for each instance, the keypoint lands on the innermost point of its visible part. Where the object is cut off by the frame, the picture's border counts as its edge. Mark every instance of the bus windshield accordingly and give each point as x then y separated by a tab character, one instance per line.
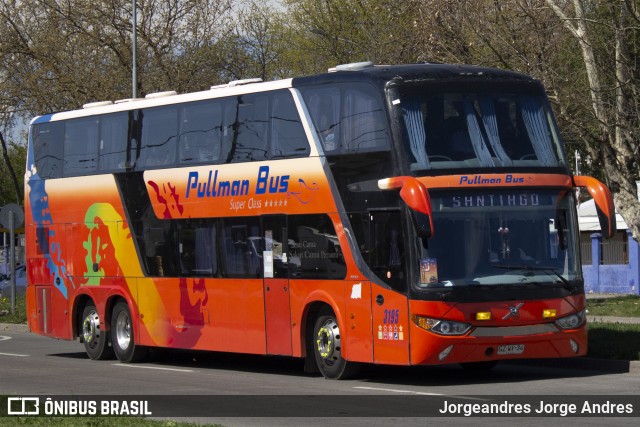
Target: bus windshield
509	126
501	237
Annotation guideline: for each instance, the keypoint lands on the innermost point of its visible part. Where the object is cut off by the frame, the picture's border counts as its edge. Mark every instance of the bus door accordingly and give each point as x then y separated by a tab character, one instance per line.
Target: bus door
277	310
389	304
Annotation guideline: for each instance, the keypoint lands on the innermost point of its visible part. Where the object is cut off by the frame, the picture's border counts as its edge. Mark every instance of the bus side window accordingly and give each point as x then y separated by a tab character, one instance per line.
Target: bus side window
239	255
200	129
363	120
315	252
159	128
386	253
324	107
48	149
287	135
253	130
114	131
198	248
80	146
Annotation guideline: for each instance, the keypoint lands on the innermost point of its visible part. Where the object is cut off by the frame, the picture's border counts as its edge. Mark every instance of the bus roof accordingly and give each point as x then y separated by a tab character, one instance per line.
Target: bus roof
158	99
362	71
411	72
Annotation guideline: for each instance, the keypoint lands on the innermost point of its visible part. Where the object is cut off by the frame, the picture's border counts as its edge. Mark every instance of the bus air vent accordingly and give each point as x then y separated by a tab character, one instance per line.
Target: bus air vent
244	82
161	94
122	101
237	83
97	104
354	66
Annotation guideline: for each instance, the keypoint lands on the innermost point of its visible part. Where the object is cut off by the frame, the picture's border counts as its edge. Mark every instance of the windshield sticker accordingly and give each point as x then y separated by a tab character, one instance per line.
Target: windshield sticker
390	333
428	271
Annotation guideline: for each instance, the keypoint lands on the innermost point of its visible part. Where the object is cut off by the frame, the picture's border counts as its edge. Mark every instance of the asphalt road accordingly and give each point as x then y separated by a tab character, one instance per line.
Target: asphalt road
35	365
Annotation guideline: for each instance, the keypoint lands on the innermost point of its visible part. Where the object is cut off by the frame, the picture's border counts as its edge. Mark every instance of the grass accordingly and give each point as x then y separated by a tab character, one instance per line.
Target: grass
622	306
91	422
20	315
618	341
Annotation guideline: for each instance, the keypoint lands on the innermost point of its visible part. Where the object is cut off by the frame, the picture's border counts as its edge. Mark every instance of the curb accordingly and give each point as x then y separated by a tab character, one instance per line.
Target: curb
13	327
584	363
612	319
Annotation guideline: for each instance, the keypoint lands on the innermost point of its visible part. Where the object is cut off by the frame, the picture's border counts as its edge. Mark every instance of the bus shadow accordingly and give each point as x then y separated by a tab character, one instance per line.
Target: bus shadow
505	372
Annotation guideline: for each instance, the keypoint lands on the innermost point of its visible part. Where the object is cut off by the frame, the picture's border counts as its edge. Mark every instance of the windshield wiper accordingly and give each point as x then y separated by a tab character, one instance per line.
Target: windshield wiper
566	284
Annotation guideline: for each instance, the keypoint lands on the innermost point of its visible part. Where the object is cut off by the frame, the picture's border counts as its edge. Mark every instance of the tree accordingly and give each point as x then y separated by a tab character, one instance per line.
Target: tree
325	33
60	54
11	178
585	53
613	87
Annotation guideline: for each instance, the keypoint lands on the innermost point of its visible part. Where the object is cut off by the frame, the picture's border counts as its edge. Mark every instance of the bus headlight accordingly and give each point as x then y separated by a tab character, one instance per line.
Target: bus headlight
441	327
571	322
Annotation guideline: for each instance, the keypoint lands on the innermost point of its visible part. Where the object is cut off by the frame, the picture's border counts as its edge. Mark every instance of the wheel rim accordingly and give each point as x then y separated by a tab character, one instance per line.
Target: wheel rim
91	328
328	342
123	330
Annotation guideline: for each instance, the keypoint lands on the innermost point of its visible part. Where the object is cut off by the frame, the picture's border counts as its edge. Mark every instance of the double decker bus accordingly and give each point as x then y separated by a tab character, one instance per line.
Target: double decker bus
407	215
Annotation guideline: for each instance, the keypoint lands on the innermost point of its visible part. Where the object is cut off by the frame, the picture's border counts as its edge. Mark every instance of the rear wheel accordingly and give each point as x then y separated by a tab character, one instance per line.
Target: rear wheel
327	345
94	335
122	337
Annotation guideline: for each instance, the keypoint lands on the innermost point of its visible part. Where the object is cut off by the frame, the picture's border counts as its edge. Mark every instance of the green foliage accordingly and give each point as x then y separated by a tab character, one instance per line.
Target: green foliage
17	156
20	313
622	306
614	341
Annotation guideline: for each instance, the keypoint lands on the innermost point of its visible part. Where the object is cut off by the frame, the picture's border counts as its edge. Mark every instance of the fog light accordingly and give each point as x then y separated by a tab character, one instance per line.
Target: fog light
574	345
483	315
444	353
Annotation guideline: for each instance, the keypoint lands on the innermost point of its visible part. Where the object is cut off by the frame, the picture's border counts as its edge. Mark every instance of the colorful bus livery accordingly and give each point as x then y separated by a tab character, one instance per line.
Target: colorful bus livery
417	214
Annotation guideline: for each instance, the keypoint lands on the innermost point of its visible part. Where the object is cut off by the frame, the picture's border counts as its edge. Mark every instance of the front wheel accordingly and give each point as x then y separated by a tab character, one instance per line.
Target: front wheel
94	335
122	337
328	348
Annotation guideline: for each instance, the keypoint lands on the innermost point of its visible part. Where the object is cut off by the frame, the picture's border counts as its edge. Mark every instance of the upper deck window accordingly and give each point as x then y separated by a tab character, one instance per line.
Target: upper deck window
479	127
349	118
252	127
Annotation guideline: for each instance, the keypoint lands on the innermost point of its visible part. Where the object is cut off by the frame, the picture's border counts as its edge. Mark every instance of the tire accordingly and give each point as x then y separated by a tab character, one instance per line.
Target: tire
327	348
94	336
479	366
122	337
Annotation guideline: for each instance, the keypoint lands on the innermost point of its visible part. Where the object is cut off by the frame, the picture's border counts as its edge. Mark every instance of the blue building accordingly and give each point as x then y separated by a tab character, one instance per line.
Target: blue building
609	266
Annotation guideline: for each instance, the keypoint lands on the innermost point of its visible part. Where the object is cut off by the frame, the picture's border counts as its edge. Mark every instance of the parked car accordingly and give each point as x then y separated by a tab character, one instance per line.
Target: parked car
21	282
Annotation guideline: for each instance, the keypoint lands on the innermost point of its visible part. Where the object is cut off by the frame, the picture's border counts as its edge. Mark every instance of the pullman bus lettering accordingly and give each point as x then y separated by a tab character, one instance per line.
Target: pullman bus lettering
212	187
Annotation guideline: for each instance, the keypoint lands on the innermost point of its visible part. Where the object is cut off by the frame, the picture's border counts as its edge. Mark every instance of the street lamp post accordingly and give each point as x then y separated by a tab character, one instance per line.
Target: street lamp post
134	48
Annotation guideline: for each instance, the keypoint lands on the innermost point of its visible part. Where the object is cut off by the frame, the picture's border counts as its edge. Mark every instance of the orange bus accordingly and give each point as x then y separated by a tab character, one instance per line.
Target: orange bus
407	215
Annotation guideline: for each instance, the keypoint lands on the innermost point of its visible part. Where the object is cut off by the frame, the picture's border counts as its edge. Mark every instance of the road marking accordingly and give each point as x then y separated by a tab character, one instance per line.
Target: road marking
392	390
4	338
14	354
420	393
153	367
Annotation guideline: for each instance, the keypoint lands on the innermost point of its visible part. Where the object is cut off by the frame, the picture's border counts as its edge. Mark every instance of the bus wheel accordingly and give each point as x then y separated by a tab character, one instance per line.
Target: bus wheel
122	338
328	348
94	336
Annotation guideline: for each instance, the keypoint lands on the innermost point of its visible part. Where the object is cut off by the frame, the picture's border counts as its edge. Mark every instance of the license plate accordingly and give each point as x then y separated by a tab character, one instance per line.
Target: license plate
511	349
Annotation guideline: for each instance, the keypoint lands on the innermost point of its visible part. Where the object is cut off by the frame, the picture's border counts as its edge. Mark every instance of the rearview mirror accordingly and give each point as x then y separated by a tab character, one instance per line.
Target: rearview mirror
416	196
603	202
